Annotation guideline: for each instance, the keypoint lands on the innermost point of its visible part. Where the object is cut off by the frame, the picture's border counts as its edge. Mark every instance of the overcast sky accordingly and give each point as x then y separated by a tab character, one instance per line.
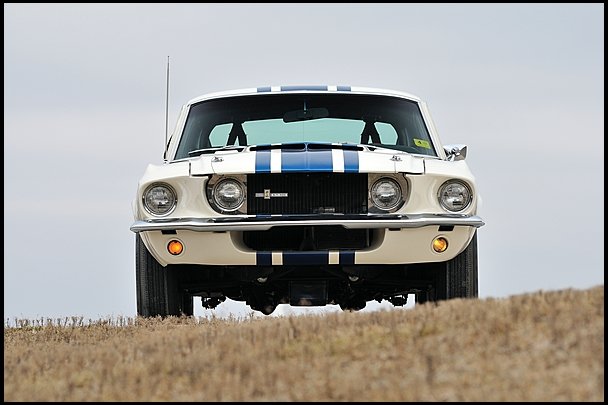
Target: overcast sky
84	92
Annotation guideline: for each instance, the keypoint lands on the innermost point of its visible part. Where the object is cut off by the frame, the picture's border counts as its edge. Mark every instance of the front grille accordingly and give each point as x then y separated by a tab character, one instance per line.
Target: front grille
307	193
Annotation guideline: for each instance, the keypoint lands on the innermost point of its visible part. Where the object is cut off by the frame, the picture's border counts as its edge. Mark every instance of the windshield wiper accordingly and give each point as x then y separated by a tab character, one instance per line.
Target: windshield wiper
203	151
393	148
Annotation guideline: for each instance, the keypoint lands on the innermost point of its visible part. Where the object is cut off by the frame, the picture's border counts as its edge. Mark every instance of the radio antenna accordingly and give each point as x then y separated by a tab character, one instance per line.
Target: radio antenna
167	114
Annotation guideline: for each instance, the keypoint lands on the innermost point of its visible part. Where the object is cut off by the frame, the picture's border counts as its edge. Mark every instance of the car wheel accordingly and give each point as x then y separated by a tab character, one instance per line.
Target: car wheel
158	290
422	296
457	278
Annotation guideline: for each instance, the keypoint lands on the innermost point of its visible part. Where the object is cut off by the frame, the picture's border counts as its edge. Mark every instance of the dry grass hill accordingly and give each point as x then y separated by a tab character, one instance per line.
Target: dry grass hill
543	346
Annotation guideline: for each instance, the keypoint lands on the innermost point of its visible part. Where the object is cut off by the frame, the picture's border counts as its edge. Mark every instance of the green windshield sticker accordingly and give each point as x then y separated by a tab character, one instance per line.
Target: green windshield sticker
422	143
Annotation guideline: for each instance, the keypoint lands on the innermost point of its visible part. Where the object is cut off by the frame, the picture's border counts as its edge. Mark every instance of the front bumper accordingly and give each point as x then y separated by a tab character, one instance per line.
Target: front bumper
263	223
399	240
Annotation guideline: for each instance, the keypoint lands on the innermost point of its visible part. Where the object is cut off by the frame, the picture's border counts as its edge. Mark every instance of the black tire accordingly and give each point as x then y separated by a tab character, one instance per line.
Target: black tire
158	289
457	278
421	297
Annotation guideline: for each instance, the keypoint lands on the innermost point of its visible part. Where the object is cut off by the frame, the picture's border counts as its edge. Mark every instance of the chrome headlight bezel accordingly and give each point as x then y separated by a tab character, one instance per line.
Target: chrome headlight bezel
467	192
400	185
213	190
155	211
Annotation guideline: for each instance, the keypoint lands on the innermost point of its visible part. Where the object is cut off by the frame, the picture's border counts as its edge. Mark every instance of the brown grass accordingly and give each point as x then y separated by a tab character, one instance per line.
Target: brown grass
545	346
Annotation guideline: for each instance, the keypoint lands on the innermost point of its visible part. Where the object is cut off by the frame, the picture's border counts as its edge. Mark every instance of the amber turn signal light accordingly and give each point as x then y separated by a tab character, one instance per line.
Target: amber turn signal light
175	247
440	244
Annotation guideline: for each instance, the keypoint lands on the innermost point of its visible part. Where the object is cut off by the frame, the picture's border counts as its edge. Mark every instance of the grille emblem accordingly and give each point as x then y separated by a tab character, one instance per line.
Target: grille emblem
267	195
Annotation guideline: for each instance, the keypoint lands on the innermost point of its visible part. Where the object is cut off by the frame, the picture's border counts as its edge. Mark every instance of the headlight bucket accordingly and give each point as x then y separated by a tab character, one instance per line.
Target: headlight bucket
386	194
159	199
455	195
228	194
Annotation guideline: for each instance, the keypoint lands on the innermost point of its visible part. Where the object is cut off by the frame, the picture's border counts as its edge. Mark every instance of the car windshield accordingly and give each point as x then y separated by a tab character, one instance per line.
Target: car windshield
383	121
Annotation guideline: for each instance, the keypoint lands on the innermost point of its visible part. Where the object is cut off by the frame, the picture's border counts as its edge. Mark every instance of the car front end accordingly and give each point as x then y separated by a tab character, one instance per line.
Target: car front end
307	196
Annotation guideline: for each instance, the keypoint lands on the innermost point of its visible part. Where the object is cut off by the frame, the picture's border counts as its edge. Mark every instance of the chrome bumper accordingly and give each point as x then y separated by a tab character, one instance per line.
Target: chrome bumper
265	223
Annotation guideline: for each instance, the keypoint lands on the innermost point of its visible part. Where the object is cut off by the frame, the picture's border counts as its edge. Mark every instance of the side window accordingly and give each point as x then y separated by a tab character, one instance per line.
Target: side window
417	134
388	135
219	135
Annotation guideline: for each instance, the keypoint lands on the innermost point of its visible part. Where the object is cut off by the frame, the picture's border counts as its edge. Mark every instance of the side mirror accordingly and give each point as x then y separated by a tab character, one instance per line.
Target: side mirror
455	152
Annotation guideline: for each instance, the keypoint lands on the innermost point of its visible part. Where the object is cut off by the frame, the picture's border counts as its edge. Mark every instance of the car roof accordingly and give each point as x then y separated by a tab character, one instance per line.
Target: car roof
291	89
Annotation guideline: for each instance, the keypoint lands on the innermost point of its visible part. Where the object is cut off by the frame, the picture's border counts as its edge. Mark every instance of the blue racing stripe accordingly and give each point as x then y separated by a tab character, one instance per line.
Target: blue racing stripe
292	161
264	89
262	161
306	161
305	258
347	257
263	258
295	88
320	161
343	88
351	161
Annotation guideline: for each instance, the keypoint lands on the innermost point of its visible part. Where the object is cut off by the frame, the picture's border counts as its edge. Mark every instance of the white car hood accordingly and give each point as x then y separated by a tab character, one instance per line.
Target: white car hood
290	158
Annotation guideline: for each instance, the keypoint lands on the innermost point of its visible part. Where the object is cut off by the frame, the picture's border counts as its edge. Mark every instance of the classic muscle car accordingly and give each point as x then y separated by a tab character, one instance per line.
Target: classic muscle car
308	196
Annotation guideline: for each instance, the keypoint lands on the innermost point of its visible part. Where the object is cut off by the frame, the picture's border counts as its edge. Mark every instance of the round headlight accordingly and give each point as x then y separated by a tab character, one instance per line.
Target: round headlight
455	196
386	194
229	194
159	199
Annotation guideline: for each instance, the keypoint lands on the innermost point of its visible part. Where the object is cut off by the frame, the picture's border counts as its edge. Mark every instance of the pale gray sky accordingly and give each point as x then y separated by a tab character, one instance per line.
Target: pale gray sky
84	91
